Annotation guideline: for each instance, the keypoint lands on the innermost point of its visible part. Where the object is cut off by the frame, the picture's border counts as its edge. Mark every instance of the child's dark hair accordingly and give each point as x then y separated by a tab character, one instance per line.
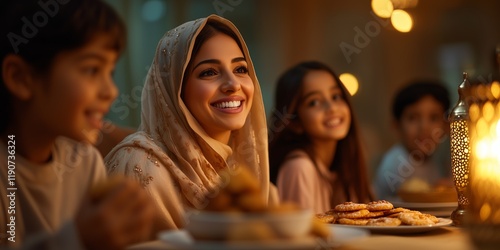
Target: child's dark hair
349	161
417	90
39	30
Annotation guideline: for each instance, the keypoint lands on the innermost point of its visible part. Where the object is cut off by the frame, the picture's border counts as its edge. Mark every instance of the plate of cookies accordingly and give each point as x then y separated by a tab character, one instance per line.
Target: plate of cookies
381	217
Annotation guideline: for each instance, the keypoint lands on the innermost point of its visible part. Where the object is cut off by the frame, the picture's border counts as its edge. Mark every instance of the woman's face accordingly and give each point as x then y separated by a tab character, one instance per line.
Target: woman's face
219	91
323	112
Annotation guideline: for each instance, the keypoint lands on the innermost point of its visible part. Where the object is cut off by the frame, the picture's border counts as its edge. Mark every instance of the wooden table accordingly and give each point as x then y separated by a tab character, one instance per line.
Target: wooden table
441	238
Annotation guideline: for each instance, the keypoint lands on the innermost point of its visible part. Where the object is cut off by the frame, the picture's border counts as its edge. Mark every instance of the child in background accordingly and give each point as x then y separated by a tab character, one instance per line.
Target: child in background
315	154
57	61
422	156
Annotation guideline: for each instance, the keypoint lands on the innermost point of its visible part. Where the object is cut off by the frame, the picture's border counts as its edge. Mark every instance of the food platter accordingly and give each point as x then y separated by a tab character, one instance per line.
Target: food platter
402	229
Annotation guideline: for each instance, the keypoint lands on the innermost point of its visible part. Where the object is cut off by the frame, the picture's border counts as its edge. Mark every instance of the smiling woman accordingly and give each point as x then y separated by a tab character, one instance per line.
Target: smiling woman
202	116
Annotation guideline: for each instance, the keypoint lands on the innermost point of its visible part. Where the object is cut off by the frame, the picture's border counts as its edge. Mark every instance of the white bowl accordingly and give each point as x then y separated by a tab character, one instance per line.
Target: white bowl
233	226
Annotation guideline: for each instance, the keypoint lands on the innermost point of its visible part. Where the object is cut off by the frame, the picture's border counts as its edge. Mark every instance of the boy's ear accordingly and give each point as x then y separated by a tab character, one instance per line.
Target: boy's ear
17	76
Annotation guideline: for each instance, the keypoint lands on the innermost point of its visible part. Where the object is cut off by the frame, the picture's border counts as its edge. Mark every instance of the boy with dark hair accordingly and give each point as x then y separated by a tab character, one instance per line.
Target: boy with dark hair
57	60
419	112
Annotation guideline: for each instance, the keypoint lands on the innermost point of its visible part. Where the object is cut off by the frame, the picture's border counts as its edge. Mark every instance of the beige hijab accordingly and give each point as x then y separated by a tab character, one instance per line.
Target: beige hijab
171	154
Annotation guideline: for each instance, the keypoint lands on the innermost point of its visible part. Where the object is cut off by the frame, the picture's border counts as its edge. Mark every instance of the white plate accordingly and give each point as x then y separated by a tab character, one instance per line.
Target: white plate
181	240
403	229
442	209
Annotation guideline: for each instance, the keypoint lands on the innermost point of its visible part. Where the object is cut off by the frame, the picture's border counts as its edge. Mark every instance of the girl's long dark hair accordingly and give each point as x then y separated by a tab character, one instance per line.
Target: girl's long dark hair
349	161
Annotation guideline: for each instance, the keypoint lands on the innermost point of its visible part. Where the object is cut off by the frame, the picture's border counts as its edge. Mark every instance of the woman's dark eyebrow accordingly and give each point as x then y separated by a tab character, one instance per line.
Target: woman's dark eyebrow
238	59
215	61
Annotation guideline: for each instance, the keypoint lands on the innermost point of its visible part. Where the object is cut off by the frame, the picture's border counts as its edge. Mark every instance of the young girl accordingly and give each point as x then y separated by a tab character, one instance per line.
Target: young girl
202	114
57	61
315	154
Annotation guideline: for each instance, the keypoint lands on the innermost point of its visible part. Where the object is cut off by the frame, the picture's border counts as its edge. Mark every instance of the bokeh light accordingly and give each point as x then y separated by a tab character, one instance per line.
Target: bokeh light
382	8
350	82
401	20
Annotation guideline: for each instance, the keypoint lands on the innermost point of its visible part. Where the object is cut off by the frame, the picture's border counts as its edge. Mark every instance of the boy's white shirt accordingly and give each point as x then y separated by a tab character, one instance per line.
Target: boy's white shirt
48	196
395	168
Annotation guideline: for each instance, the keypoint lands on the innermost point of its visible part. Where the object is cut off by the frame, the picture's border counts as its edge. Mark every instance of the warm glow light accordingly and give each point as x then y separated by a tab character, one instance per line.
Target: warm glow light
487	141
495	89
482	128
474	112
404	4
493	130
495	147
350	82
481	149
382	8
484	206
401	21
488	111
485	211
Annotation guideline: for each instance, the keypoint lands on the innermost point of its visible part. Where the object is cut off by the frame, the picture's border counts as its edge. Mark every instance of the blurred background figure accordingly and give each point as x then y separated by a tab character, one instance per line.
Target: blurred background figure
316	157
422	155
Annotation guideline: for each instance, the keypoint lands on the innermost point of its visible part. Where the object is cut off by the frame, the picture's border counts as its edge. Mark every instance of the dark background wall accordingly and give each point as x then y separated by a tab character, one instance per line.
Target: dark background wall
448	37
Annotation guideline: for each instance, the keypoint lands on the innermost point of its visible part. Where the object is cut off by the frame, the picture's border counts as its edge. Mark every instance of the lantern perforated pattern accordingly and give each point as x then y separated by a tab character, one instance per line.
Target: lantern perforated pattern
460	153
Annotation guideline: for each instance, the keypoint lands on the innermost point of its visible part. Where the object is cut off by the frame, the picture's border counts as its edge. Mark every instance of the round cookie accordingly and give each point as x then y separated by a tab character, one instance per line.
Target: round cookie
349	206
380	205
416	219
326	218
356	222
384	222
396	210
353	215
374	214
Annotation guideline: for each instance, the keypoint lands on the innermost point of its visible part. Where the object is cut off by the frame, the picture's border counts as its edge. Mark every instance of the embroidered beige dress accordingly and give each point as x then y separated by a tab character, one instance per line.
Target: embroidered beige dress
171	155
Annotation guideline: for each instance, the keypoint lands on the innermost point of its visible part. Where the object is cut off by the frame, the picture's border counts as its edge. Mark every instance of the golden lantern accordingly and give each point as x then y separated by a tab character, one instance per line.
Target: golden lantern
460	150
